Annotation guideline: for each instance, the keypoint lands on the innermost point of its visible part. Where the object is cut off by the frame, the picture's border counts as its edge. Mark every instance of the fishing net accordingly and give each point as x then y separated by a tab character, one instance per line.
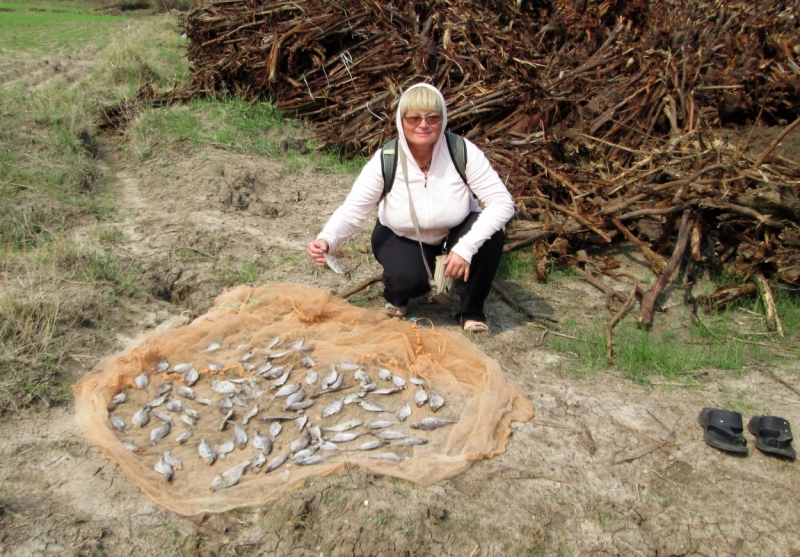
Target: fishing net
250	334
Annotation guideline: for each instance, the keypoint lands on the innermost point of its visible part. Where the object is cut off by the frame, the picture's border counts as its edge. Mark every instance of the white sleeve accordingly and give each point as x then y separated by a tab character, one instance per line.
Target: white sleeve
497	202
351	214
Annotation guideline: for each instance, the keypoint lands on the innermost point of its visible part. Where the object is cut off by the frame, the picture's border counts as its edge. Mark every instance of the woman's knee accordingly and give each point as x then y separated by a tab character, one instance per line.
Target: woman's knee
405	281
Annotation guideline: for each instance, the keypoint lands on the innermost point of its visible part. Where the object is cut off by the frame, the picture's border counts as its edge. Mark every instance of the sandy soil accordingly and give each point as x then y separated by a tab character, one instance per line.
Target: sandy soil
606	466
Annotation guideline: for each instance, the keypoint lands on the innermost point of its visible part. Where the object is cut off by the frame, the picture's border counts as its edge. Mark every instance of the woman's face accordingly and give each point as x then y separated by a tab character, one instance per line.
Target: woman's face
422	127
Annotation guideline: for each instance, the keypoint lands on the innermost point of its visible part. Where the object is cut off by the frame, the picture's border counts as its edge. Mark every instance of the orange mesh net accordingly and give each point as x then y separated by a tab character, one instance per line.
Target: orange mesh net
232	345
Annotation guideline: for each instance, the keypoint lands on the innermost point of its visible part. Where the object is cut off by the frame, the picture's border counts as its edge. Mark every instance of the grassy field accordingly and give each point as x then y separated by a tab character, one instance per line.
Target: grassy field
64	275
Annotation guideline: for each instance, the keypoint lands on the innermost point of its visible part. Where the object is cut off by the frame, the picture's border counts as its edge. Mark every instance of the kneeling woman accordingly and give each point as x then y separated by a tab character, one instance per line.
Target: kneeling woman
448	214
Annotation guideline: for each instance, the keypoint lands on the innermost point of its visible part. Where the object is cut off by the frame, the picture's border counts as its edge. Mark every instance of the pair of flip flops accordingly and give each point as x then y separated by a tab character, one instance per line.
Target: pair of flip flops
723	429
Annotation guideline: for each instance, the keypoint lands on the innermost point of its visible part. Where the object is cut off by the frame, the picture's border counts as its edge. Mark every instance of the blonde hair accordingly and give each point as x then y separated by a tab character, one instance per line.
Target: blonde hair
420	98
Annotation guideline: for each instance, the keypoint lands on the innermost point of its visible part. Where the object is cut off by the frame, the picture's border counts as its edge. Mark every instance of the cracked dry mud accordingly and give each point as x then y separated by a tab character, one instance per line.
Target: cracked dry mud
555	491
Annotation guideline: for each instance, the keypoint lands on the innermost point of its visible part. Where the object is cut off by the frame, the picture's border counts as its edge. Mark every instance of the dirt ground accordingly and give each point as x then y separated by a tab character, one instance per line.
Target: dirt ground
605	467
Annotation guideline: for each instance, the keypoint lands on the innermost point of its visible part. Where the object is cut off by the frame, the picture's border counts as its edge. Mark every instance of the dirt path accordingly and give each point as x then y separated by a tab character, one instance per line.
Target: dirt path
555	491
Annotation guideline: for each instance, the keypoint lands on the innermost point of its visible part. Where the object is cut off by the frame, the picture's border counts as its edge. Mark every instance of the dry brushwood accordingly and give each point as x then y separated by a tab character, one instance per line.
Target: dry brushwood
602	118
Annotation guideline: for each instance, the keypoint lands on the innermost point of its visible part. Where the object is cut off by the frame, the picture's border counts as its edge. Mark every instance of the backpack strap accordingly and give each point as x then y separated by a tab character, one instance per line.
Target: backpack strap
389	164
456	146
458	153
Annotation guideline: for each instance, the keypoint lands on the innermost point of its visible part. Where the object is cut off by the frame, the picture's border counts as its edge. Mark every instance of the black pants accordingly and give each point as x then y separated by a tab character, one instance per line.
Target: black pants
404	275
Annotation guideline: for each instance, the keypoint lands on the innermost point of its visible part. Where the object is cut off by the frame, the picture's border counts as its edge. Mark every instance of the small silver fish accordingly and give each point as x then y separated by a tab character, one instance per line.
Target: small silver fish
116	423
389	391
192	413
372	445
229	478
301	422
404	412
188	420
346	366
258	461
311	378
343	437
172	461
215	367
420	398
239	400
385	374
308	362
315	459
380	424
223	387
141	417
224	405
263	368
162	366
164	469
225	420
163	417
297	406
224	449
142	381
248	367
246	357
335	386
206	452
305	453
262	443
156	402
413	441
252	389
328	446
329	379
131	446
369	388
185	436
429	424
399	382
239	437
390	435
370	406
287	390
120	398
277	355
181	368
213	346
353	397
333	408
164	388
418	382
185	392
362	377
276	462
302	443
294	398
343	426
436	402
275	429
159	432
273	343
316	434
174	405
204	401
280	381
336	265
250	414
389	456
276	372
296	345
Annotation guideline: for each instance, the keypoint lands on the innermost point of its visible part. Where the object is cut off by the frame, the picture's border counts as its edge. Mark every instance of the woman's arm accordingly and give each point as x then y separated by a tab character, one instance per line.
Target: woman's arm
351	214
493	194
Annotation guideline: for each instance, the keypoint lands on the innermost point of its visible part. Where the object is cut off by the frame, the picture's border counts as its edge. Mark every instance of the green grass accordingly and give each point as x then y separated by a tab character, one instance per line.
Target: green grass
231	272
43	27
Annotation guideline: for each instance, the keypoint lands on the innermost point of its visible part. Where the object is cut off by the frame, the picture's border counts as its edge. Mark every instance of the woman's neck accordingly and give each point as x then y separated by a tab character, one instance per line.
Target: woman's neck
422	154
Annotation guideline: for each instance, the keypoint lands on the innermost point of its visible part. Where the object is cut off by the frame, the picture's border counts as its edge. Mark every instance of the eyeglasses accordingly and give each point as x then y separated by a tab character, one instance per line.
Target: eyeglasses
433	120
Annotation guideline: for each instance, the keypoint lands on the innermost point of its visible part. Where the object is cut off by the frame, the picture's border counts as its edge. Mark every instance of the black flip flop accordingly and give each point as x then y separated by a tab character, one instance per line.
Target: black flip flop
723	430
773	435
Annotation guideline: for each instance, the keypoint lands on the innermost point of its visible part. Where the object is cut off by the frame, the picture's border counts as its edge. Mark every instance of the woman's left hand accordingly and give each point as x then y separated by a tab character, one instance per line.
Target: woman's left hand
456	267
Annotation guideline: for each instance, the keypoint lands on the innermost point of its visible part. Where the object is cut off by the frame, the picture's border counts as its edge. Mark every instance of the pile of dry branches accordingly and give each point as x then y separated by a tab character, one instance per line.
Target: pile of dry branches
604	118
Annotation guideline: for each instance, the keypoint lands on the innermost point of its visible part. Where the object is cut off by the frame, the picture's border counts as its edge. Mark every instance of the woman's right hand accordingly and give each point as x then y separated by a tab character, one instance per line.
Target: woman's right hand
316	250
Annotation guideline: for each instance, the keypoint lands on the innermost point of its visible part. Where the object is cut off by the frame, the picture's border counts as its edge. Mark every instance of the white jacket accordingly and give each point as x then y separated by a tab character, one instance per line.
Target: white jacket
441	199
